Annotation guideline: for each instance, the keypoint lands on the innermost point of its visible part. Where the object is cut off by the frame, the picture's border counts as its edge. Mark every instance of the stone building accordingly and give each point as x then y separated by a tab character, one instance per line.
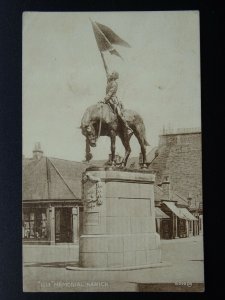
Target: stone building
179	156
52	206
178	221
51	199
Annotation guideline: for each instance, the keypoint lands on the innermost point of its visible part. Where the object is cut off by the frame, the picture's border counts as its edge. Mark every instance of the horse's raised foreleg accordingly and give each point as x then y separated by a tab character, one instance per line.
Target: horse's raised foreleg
88	155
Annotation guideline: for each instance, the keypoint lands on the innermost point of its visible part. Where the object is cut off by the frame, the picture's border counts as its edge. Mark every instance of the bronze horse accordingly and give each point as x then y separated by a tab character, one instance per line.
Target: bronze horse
100	120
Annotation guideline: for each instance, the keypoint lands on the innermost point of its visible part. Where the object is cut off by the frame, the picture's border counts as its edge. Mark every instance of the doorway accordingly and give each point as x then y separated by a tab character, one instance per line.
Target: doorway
167	229
63	225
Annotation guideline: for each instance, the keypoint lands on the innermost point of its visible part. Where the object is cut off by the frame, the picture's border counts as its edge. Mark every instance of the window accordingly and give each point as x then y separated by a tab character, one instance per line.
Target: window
35	223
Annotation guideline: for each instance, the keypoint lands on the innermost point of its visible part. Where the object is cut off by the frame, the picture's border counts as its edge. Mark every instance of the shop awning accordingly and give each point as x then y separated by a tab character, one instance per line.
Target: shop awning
181	213
175	209
188	215
159	214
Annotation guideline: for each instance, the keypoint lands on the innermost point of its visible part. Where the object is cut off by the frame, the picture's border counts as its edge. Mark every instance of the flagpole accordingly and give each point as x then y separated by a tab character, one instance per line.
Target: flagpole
105	65
101	37
102	56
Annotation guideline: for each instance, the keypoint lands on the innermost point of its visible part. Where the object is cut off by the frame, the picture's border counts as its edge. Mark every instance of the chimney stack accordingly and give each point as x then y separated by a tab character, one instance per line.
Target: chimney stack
37	152
189	198
166	188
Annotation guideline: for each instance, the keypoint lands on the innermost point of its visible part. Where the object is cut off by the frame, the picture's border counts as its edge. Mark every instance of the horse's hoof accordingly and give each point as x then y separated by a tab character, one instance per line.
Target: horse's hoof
110	163
144	166
122	166
88	157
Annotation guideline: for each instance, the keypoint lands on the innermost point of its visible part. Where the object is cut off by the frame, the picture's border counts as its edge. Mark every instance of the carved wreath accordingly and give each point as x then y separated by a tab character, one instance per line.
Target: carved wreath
94	196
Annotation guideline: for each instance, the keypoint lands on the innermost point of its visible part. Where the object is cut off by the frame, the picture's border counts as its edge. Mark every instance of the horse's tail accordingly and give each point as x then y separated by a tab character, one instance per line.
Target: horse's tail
142	129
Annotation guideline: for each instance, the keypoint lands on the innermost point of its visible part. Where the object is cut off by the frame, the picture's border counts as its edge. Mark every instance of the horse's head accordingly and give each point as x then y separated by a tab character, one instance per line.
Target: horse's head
89	132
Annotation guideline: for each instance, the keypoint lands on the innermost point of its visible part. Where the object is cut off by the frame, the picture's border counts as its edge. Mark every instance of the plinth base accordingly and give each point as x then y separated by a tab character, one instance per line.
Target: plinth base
118	221
119	250
156	265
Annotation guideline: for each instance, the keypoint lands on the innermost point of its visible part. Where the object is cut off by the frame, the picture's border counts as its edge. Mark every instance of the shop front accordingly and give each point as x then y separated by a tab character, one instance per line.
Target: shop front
162	223
182	228
63	225
35	227
51	223
191	222
180	224
51	199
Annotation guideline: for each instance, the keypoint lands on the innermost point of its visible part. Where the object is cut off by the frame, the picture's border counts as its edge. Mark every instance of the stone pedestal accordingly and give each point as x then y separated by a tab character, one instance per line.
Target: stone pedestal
119	220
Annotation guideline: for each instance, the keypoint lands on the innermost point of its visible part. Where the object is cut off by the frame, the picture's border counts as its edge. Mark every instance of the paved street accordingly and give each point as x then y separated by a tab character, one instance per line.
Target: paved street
42	273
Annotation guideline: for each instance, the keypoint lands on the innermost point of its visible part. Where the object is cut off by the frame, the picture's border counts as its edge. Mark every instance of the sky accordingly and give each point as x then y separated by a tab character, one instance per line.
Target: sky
63	74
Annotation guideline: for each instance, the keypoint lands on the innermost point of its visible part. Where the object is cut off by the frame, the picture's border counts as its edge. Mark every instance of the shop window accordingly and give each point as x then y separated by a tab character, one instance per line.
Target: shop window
35	224
182	231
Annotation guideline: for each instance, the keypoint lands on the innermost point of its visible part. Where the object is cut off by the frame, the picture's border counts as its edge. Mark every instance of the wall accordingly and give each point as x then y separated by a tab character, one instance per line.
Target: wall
180	158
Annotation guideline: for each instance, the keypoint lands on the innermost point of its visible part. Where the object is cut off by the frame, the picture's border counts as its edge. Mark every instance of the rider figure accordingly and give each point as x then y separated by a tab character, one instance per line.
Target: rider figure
112	99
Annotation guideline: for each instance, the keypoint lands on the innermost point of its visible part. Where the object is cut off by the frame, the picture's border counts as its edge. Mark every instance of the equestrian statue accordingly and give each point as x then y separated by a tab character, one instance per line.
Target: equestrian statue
108	117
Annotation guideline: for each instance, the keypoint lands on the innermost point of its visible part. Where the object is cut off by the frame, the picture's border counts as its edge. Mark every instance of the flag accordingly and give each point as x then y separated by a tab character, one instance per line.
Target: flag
111	36
105	38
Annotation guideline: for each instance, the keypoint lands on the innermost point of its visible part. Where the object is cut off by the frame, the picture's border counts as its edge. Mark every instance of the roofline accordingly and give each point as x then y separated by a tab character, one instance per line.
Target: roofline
62	178
182	205
181	133
79	162
180	197
51	157
174	192
51	200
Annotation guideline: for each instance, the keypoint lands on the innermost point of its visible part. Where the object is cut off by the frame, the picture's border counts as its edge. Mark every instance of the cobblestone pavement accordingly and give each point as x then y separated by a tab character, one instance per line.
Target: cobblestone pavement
42	273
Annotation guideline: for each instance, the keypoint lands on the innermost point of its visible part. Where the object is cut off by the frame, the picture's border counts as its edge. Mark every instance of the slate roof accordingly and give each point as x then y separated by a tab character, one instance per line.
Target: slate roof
135	160
60	179
159	214
52	178
158	191
179	157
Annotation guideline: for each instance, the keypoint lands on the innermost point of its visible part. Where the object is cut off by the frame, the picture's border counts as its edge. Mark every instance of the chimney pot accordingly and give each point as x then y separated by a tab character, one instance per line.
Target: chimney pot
166	188
37	152
189	198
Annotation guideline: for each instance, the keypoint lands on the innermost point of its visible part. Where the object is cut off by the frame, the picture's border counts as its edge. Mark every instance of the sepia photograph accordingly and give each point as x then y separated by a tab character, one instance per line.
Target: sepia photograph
112	152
